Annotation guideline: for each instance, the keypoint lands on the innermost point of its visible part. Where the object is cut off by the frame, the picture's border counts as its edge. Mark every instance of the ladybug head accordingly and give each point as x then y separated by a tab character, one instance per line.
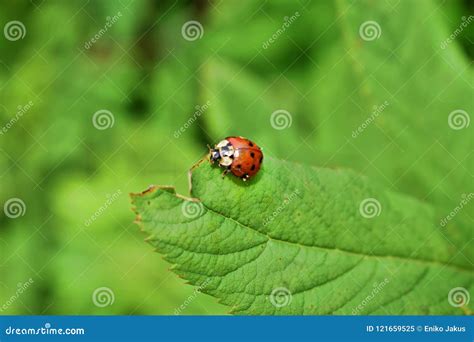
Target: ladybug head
215	155
223	153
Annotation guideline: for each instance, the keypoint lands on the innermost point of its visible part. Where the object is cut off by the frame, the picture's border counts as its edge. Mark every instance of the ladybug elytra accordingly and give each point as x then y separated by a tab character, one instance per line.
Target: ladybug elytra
238	155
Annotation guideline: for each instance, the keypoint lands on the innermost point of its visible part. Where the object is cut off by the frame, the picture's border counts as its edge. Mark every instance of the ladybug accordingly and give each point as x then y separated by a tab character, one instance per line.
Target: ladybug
238	155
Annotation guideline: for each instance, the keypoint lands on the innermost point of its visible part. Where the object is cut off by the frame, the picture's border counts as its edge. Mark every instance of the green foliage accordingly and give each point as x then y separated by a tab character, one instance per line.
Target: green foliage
308	231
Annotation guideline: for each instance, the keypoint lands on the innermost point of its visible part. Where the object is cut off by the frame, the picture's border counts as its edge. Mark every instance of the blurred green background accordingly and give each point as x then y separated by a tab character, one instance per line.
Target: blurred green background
150	79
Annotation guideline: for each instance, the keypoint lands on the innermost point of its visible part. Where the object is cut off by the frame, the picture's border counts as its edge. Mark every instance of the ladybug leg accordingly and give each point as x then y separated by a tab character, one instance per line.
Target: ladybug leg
226	171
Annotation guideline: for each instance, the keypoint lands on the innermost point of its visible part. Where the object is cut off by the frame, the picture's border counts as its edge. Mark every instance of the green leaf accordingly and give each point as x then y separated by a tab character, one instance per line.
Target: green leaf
408	143
302	240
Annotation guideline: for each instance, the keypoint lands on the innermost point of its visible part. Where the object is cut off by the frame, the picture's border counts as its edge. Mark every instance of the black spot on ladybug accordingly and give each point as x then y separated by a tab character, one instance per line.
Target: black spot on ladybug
250	144
253	167
261	159
239	166
252	154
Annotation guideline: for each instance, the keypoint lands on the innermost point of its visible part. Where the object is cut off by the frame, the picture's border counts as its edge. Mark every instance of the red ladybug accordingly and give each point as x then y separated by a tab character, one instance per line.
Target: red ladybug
238	155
